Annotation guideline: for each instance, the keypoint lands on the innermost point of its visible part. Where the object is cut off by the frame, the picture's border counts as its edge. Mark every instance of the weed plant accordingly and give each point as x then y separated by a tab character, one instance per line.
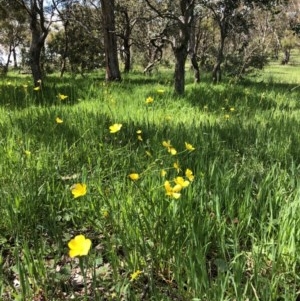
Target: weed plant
187	198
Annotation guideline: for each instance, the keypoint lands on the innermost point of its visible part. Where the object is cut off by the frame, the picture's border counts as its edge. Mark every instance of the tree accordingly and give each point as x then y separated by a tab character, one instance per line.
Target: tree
110	40
40	18
179	15
77	42
13	33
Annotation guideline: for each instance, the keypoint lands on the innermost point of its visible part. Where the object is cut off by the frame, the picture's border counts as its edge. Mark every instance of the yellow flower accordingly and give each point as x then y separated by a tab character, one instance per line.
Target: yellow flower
79	246
232	109
105	213
62	96
163	173
135	275
149	100
169	147
36	88
189	146
134	176
172	191
78	190
115	128
139	136
182	182
189	175
58	120
167	144
27	153
172	151
177	166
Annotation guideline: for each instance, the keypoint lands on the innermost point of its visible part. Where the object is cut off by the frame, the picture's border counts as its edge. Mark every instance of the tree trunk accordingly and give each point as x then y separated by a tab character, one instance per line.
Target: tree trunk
127	56
5	69
217	73
15	58
35	57
193	52
179	76
110	41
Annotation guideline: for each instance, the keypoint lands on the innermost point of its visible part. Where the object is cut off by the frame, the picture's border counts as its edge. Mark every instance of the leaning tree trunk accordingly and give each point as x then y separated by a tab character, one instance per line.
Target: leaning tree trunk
110	40
179	76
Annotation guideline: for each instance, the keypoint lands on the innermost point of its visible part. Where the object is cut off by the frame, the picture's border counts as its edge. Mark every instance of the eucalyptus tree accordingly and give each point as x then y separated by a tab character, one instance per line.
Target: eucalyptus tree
110	40
179	16
131	23
233	17
13	31
39	14
78	40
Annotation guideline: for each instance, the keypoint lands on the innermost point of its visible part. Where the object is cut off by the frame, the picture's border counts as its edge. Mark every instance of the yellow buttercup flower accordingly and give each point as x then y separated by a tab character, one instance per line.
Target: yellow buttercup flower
79	246
134	176
78	190
37	88
27	153
105	213
172	151
163	173
182	182
189	175
177	166
169	147
149	100
189	146
62	96
167	144
173	192
232	109
58	120
135	275
115	128
139	136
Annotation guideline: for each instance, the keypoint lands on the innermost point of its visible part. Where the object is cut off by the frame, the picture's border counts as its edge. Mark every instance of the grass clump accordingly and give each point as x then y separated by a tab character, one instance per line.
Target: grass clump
182	198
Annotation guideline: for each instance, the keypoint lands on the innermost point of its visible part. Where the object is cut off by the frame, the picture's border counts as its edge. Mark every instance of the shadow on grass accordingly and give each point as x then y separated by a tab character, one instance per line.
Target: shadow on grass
17	91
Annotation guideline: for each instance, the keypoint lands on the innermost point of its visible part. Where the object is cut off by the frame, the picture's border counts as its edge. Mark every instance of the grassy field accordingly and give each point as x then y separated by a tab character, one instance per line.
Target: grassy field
188	198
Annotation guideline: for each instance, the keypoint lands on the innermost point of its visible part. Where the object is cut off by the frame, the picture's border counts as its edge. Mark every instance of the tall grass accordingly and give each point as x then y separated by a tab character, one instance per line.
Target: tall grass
233	233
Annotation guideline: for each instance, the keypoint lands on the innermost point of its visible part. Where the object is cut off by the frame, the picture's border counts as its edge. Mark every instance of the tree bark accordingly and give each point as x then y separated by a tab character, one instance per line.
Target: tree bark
179	75
110	41
217	72
193	52
37	43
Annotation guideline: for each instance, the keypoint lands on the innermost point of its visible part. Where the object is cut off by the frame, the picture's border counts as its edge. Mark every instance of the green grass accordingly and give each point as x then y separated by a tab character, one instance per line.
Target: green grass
232	235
